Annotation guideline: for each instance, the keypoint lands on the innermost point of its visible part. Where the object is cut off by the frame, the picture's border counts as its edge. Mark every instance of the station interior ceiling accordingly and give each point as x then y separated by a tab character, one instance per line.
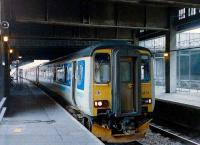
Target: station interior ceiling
48	29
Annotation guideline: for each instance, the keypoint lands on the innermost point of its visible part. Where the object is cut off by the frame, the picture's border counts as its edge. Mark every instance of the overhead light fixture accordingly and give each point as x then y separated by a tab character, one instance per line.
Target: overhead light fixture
20	57
11	51
5	38
166	54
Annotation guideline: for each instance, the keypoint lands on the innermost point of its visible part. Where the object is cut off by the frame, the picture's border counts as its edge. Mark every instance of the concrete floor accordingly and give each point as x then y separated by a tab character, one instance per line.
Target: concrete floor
33	118
190	98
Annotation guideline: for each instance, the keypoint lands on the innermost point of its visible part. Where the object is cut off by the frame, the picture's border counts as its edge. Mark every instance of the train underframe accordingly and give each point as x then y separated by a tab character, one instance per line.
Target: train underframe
118	129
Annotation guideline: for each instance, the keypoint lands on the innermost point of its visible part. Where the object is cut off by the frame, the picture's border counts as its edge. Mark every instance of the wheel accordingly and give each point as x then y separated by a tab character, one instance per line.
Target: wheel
86	122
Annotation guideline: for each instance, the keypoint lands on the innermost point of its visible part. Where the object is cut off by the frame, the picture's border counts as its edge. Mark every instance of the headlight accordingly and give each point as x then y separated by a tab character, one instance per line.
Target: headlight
100	103
147	101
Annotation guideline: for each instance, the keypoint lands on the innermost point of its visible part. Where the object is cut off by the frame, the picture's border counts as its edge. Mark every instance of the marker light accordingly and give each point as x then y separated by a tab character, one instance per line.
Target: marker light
147	101
100	103
150	101
95	104
5	38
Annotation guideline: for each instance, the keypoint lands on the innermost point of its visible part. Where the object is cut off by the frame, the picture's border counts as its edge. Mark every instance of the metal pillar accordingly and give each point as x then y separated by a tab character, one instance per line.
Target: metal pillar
135	39
7	70
171	60
2	66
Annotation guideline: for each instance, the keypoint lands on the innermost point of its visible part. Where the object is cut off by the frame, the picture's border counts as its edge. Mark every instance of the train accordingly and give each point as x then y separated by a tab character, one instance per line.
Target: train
110	83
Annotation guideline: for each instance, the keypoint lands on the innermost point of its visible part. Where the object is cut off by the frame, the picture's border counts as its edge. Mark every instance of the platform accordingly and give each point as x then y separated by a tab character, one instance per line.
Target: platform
189	98
33	118
181	108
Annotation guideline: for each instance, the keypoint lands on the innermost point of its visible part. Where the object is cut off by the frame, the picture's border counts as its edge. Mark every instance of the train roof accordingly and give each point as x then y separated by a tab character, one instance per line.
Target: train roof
88	51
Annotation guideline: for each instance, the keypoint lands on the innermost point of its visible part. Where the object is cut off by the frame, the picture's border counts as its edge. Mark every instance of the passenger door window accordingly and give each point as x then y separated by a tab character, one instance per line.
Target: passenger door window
68	74
80	75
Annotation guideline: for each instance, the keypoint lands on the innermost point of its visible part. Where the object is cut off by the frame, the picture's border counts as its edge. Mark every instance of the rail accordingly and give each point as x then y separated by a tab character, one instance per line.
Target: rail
172	135
132	143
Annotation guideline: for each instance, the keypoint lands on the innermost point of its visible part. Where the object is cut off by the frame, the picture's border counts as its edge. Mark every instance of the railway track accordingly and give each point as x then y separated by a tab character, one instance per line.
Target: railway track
132	143
170	134
138	143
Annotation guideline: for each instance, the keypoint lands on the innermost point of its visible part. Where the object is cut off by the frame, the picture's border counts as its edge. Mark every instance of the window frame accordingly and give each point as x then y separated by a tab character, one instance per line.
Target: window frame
131	71
192	11
181	13
67	68
94	80
62	67
80	83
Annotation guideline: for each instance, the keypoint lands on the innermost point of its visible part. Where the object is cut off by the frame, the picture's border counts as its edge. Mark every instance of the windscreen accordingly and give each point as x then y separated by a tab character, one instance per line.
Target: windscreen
102	68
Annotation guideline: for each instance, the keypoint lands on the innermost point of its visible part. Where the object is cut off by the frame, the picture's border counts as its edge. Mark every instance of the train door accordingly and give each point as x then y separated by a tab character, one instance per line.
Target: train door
126	90
127	84
37	75
74	81
128	68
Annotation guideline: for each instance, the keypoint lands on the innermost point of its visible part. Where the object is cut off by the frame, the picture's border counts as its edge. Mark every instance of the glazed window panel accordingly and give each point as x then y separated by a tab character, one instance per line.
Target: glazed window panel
125	75
80	76
195	69
191	11
68	74
145	69
60	77
102	68
181	14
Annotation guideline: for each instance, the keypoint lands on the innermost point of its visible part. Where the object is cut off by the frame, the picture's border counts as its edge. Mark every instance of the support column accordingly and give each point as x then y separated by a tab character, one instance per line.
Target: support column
2	71
171	60
7	70
135	39
4	57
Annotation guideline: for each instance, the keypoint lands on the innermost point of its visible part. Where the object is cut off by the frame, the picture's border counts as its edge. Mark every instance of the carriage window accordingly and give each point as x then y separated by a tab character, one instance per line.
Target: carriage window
60	74
102	68
145	69
68	74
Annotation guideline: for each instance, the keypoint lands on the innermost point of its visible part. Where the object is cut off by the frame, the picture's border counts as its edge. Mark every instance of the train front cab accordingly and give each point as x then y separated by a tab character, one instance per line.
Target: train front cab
122	99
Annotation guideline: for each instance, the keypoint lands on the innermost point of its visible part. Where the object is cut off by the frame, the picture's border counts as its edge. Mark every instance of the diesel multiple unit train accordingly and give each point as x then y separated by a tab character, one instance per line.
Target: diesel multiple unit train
110	83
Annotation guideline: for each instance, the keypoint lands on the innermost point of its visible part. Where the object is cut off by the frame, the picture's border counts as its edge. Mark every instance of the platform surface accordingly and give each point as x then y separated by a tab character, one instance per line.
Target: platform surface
190	98
33	118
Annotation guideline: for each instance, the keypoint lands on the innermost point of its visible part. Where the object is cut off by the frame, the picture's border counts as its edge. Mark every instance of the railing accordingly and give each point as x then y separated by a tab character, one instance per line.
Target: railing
188	43
160	82
188	86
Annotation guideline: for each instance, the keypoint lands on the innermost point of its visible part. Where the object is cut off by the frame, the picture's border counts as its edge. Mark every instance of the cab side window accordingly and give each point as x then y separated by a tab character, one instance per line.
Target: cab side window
145	69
